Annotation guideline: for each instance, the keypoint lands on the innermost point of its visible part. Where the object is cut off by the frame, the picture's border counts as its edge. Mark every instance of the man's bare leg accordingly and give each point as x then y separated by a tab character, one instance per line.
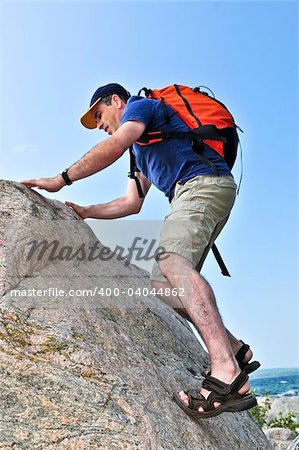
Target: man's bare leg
200	304
175	302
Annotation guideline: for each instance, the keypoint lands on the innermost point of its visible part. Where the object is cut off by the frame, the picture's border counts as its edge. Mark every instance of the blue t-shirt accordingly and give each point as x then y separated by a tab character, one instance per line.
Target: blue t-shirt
167	162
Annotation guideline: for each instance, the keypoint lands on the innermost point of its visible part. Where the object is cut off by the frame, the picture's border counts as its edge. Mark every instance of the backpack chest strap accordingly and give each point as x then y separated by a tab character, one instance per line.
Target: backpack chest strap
198	134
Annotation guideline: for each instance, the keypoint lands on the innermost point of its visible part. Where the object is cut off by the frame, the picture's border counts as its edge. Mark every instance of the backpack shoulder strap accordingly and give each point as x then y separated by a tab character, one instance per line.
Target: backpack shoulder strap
132	175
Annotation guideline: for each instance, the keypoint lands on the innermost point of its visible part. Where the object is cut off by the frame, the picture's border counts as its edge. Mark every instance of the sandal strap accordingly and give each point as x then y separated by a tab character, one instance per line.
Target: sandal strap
213	398
240	355
215	385
208	404
196	402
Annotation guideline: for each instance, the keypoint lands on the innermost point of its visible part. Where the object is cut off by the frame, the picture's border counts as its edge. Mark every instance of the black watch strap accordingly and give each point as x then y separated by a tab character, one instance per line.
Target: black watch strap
66	177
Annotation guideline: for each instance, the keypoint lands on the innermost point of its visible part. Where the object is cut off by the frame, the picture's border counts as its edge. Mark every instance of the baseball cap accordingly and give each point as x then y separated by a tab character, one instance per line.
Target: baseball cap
87	119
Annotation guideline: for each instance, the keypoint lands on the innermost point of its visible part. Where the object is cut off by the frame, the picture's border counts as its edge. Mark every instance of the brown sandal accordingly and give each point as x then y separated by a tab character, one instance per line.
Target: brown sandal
226	394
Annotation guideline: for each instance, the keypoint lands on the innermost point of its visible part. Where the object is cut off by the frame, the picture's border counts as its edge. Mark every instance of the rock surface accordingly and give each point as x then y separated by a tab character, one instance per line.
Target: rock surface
284	405
281	438
84	371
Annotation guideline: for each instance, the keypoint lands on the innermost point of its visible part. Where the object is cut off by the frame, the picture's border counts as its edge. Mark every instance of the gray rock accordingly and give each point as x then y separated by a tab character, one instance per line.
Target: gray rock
284	405
281	434
90	371
280	438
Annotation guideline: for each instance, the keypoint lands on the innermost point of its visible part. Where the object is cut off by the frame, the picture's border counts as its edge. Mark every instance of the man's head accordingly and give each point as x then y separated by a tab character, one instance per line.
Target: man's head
106	107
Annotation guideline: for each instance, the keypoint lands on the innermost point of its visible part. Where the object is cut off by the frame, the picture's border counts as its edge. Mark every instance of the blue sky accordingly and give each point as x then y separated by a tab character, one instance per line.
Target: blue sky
54	55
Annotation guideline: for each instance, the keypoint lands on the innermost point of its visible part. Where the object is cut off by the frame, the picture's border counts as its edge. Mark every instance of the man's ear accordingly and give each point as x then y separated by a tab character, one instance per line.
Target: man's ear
117	101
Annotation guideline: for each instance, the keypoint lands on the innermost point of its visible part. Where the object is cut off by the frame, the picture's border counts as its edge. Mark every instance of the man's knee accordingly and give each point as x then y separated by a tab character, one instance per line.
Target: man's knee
172	264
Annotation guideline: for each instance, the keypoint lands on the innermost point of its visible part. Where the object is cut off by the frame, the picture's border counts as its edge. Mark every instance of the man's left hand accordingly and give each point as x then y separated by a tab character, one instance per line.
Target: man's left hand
49	184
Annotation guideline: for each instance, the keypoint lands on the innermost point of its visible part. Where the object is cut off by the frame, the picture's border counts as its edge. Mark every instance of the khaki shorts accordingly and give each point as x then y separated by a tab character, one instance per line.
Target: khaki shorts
198	212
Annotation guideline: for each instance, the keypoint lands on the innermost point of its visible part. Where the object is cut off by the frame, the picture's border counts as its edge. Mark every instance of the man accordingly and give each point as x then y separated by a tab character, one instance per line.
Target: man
199	199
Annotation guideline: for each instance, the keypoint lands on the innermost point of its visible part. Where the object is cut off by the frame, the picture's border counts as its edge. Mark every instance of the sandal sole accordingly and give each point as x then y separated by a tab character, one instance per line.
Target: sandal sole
246	402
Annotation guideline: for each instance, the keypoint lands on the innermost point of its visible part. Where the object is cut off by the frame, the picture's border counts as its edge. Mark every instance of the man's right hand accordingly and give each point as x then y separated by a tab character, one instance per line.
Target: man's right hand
53	184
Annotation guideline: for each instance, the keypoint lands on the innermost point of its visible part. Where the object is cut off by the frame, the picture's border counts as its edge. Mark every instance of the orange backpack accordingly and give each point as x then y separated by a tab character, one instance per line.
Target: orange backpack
208	119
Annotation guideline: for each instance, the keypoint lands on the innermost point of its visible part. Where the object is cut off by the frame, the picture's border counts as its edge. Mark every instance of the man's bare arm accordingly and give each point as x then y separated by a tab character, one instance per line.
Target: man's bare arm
106	152
98	158
121	207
